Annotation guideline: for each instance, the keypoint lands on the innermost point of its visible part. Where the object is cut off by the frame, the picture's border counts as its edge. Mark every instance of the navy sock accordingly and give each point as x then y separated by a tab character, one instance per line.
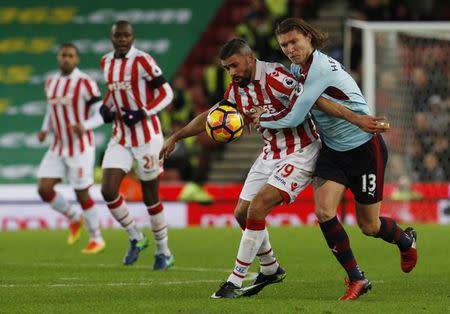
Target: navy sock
339	243
390	232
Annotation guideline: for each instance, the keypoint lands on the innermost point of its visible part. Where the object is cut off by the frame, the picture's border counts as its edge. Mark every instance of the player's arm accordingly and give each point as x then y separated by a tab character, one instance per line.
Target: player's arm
92	96
95	118
163	93
46	126
367	123
195	127
301	104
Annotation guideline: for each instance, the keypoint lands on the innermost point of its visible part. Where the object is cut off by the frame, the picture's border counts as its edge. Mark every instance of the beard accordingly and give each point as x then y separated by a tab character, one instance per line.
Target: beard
243	81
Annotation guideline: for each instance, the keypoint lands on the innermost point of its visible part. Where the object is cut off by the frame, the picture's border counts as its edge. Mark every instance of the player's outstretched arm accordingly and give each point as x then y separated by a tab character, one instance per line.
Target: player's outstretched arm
367	123
196	126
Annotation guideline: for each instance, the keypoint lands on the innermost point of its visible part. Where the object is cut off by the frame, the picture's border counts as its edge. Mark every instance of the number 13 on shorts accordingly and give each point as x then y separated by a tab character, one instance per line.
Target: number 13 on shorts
368	183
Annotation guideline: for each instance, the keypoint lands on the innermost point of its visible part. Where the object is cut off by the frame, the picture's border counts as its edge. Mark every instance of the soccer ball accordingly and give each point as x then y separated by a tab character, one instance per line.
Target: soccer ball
224	124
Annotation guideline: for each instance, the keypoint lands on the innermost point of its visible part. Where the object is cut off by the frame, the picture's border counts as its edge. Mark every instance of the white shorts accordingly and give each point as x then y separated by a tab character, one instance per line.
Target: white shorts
78	170
290	174
148	165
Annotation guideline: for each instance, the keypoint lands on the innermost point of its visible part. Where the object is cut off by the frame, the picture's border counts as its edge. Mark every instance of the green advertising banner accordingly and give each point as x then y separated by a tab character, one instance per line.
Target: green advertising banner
31	32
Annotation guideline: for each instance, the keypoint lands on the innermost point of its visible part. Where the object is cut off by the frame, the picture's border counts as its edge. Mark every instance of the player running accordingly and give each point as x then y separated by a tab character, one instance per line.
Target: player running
73	100
137	91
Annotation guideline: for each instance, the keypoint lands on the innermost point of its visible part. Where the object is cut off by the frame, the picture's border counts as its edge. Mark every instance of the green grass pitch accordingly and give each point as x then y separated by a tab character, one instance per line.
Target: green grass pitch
40	273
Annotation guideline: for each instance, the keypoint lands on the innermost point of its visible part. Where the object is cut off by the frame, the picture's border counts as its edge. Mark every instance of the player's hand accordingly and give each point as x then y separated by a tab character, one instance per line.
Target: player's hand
169	146
107	115
131	117
78	128
255	113
42	135
371	124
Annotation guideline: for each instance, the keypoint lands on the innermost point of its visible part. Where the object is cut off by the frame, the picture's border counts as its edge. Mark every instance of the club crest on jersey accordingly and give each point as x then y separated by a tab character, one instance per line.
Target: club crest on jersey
119	85
156	71
288	82
299	89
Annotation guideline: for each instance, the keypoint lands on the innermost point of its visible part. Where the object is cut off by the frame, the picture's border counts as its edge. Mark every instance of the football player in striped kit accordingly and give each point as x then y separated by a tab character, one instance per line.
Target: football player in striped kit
279	174
137	91
73	111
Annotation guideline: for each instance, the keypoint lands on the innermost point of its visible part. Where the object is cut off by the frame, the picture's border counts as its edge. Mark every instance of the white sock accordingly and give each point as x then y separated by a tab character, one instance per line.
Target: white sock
250	243
92	223
160	234
120	212
61	205
267	261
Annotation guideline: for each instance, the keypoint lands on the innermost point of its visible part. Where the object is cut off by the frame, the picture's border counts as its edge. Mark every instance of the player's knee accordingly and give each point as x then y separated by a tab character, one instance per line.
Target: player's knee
324	214
256	209
45	192
240	218
369	229
109	194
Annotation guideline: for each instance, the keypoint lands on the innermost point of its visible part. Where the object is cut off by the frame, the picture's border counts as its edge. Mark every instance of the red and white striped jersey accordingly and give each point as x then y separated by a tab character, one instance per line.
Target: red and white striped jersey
274	89
133	84
69	99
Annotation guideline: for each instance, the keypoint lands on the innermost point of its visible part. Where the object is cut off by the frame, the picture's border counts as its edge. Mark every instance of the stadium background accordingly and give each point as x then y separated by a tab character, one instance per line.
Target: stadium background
184	38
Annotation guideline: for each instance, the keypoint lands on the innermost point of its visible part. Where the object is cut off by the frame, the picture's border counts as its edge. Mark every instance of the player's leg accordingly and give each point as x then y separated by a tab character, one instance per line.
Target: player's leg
163	257
386	228
81	177
327	196
116	163
51	170
367	186
269	266
59	203
148	169
330	182
252	238
90	213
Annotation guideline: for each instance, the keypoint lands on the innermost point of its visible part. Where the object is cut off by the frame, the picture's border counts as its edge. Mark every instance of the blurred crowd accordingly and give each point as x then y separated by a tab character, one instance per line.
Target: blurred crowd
413	88
421	93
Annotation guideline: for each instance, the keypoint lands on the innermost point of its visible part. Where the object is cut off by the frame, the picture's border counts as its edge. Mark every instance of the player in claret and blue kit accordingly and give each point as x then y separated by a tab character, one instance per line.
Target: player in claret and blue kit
349	157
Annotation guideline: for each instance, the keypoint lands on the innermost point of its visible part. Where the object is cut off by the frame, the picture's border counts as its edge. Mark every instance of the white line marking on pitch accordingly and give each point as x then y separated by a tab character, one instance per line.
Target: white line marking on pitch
110	284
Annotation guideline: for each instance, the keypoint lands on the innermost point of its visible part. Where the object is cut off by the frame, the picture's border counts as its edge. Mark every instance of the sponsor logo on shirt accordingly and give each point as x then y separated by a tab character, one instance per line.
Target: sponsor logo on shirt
114	86
66	100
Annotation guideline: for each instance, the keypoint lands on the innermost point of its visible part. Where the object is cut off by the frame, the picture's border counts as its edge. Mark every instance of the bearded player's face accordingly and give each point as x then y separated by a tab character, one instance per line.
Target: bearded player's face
68	59
239	66
122	38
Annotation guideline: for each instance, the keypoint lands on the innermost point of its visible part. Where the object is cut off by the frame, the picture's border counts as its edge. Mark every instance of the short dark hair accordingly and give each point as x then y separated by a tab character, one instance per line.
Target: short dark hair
70	45
235	45
122	23
318	38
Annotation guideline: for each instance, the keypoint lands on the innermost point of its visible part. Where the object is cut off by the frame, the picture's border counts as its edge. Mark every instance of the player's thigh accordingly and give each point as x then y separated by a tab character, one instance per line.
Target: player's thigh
265	200
80	169
257	177
240	212
366	176
368	217
52	166
293	173
117	157
148	164
327	197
